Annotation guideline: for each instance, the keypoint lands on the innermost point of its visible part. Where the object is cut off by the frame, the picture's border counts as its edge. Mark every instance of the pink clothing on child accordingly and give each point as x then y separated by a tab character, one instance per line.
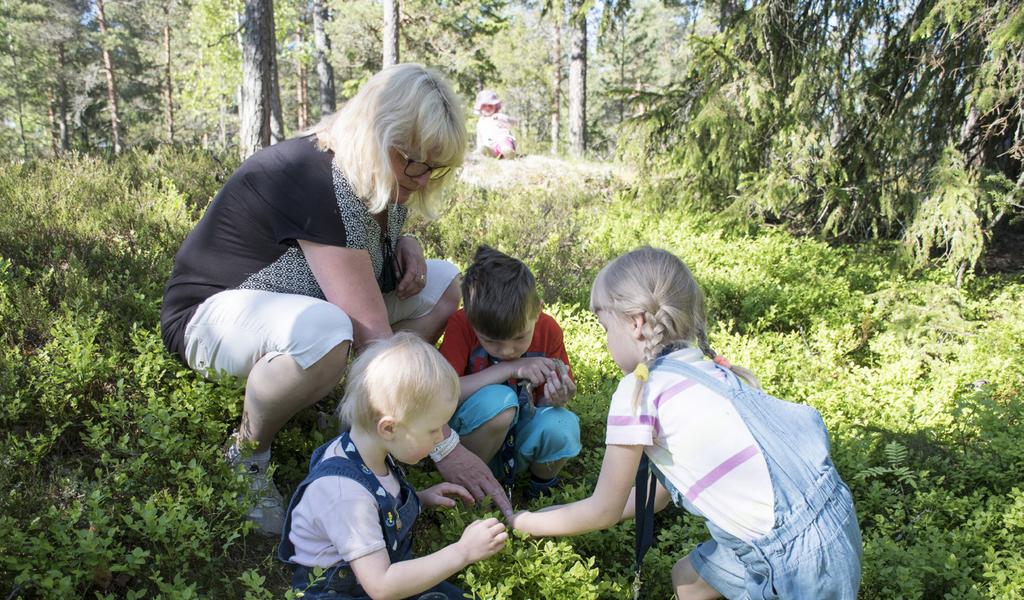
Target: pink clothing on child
698	441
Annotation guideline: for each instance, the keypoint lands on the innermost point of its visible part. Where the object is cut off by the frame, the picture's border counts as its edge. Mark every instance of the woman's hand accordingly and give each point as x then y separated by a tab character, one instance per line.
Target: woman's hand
438	495
466	469
413	265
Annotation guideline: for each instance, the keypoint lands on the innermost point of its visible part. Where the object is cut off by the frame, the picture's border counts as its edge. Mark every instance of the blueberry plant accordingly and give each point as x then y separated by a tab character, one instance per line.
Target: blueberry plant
112	483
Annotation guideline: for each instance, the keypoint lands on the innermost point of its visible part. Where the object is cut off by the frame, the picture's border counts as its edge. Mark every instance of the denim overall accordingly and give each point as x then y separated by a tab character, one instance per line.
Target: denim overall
814	549
397	516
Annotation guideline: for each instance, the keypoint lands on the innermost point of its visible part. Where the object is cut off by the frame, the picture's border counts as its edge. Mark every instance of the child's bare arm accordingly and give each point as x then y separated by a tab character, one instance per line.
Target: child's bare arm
536	369
661	499
601	510
384	580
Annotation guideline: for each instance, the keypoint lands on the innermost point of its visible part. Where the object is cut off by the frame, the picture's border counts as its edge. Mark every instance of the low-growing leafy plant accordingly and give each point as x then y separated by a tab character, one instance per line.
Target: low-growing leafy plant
112	483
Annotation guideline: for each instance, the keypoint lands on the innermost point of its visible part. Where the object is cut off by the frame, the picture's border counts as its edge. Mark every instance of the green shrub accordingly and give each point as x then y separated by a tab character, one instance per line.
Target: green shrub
113	484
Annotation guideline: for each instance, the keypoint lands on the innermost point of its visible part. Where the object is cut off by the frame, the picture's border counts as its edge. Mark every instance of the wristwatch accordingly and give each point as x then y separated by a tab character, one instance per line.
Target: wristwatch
445	447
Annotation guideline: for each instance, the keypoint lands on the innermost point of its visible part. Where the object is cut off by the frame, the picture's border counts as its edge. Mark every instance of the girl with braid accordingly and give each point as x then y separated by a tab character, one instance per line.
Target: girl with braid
755	468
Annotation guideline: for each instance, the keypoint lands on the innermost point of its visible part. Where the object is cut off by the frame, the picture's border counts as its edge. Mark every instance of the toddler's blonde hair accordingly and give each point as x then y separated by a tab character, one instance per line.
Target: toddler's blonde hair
409	107
401	376
656	285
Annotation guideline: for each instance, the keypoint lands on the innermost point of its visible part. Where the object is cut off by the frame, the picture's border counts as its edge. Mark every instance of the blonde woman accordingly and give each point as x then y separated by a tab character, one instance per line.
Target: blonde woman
300	257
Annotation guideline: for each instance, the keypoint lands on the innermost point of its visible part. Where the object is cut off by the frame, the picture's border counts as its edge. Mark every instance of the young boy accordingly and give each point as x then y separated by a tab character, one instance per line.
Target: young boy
514	374
353	514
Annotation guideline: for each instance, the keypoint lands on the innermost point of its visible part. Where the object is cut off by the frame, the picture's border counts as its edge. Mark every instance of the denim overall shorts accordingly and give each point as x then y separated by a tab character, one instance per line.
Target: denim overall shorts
397	516
813	551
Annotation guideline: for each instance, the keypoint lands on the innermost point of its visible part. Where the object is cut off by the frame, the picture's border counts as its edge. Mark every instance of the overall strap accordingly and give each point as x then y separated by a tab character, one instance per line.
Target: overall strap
643	514
725	388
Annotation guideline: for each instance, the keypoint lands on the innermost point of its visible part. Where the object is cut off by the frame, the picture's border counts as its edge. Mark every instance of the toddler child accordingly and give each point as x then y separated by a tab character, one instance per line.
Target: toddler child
353	514
757	469
514	374
494	128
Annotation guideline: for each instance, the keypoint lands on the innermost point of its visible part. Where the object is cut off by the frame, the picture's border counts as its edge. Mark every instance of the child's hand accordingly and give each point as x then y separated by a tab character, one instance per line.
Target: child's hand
482	539
535	369
559	389
437	495
519	521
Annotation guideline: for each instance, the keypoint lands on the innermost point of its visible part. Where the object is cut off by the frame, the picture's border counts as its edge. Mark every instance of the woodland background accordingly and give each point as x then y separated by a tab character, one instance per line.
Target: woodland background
843	176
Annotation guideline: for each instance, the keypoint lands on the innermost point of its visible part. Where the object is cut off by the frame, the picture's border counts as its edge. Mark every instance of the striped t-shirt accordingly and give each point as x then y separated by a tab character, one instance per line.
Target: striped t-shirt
700	443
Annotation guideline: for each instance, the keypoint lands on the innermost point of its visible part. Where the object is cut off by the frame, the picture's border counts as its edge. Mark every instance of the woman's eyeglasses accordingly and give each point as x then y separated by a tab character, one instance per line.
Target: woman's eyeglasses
415	168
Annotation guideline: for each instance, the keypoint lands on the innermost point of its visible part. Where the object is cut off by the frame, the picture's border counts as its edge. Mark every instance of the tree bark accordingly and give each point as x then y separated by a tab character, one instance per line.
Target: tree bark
578	80
277	129
168	81
556	76
62	100
302	95
392	27
51	113
257	79
108	66
324	70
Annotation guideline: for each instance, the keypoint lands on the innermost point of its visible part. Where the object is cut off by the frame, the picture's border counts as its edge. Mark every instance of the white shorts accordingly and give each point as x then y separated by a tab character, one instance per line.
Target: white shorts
234	329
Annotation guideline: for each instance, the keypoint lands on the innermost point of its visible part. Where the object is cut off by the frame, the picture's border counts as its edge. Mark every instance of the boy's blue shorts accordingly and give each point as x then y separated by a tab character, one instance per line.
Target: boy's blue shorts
542	435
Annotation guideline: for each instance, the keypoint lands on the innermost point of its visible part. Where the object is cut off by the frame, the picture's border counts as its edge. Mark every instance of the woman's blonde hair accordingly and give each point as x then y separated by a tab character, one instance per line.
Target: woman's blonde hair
400	376
408	107
656	285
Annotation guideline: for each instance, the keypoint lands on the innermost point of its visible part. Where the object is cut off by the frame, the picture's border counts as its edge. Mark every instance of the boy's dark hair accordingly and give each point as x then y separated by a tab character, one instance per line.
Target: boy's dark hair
499	294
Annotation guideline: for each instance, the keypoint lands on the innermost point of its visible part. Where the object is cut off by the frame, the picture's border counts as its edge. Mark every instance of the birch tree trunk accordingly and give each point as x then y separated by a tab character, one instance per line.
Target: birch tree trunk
254	109
392	26
108	67
324	70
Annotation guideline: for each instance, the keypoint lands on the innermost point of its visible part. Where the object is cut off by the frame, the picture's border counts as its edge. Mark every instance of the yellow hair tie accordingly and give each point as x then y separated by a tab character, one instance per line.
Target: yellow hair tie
641	372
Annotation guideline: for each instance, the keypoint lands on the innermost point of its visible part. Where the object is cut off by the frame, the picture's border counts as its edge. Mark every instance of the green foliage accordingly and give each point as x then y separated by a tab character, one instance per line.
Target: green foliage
884	120
112	478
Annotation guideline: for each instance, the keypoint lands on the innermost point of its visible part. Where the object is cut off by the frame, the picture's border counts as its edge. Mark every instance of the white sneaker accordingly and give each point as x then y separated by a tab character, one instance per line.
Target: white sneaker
268	511
268	507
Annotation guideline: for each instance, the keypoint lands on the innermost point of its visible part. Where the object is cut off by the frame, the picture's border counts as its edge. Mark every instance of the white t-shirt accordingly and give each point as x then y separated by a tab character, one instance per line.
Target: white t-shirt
338	519
699	442
491	129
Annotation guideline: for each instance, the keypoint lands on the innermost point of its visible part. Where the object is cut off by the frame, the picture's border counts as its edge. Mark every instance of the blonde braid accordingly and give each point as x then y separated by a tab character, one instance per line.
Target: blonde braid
657	327
741	372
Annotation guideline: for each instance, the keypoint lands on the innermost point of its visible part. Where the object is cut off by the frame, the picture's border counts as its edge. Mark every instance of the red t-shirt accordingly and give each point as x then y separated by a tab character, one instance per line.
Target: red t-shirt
463	351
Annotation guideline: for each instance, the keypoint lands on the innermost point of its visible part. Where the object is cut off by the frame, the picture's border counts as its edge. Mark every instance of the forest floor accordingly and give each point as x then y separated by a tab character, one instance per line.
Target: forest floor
541	171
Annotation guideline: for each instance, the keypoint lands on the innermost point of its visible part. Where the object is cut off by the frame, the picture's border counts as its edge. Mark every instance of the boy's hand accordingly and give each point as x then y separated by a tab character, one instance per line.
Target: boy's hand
438	495
559	389
482	539
535	369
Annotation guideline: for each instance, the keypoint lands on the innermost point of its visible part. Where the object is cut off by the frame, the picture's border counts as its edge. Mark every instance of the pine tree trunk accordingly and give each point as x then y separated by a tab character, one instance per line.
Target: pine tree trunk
556	76
108	67
17	95
51	113
302	96
168	81
62	100
392	26
277	130
257	79
324	70
578	80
